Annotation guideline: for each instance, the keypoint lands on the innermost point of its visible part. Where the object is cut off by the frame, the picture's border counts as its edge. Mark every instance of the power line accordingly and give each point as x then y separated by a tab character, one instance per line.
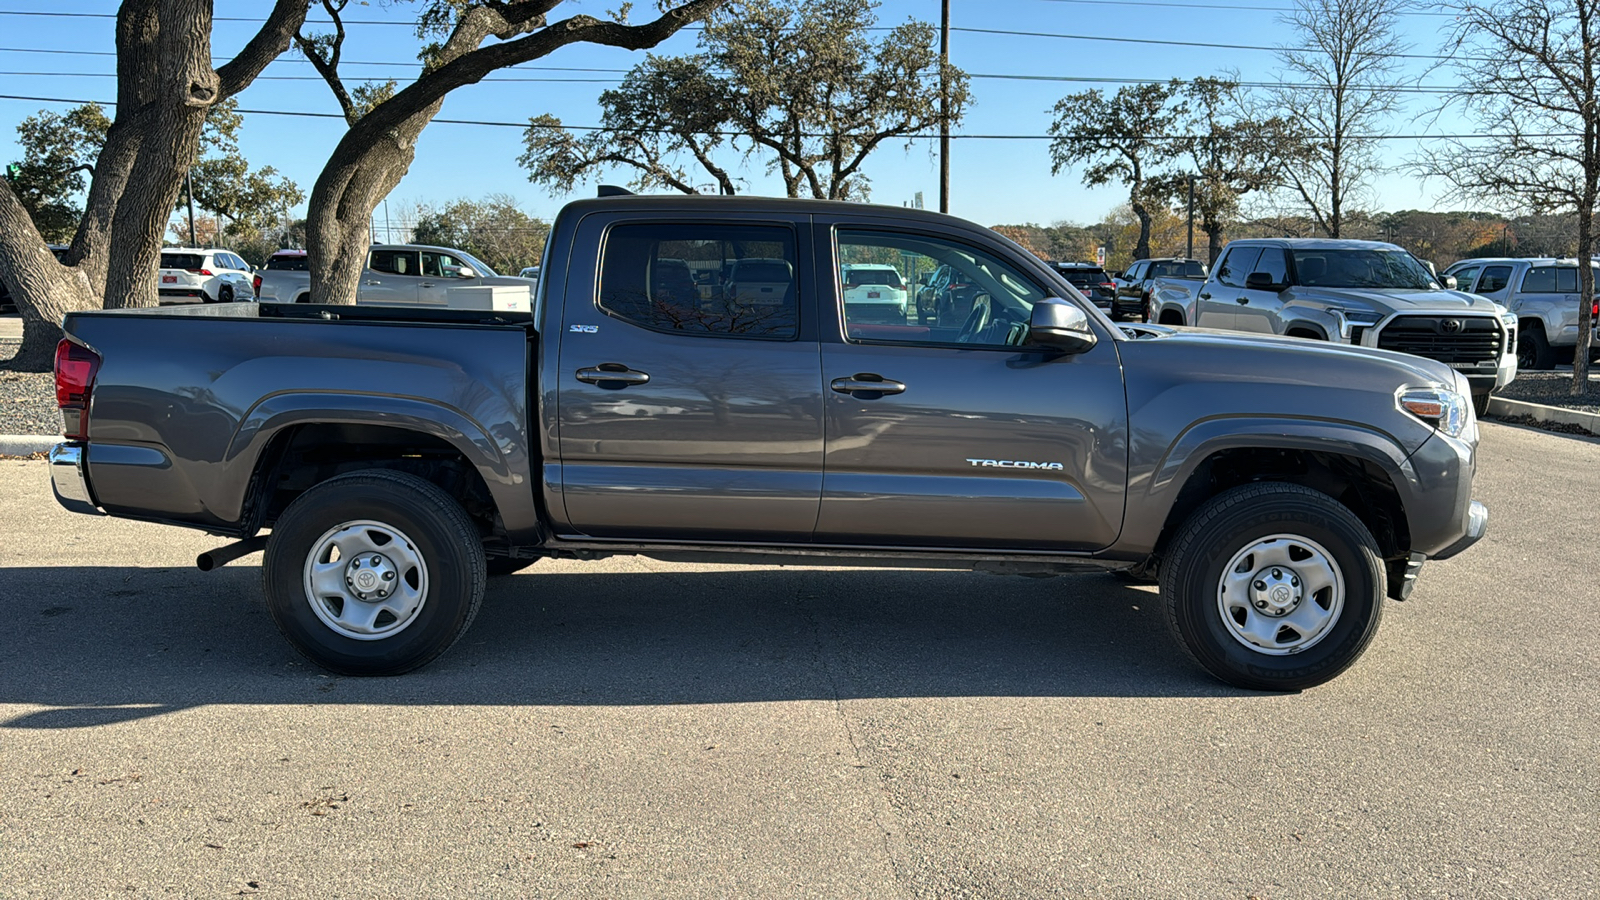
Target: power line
970	137
319	78
1227	6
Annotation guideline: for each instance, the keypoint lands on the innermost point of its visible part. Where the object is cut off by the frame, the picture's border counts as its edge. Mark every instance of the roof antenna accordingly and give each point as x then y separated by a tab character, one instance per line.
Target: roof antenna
611	190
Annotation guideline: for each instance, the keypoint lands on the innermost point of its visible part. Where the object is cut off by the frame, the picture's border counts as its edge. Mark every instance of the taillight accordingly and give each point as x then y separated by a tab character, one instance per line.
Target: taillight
205	272
255	285
76	367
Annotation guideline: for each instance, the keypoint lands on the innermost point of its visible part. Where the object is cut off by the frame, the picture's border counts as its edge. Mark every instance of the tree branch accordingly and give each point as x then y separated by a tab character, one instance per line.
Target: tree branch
268	44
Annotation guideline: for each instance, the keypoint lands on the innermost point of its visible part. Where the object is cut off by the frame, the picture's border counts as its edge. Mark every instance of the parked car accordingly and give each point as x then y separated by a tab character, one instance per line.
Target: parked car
1278	488
7	305
1092	281
1135	288
395	275
873	292
947	298
206	275
1367	293
529	272
1542	293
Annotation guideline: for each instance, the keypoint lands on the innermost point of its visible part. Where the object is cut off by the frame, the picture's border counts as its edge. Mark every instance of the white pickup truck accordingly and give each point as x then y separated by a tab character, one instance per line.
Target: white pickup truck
404	275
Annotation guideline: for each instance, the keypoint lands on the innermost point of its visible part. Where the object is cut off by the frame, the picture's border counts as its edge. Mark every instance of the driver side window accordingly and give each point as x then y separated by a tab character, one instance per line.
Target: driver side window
901	287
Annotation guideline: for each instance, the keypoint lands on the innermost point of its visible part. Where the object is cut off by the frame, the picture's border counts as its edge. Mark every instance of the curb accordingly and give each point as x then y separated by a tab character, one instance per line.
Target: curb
27	444
1590	422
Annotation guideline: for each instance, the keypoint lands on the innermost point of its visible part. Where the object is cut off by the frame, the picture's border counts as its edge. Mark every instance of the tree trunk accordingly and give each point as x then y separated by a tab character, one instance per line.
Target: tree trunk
1213	232
361	172
1141	250
43	289
1580	356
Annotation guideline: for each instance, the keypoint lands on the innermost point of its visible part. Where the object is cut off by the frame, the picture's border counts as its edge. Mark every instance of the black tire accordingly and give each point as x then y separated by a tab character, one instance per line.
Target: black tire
433	529
225	294
1248	518
1480	403
508	565
1533	349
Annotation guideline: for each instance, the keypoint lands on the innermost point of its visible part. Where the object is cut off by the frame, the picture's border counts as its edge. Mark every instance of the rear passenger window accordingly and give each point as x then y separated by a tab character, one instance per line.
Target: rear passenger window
394	262
1494	278
1567	280
717	280
1540	280
1238	265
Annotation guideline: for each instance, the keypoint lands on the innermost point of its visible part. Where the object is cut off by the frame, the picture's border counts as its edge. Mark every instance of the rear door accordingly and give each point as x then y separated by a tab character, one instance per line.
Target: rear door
392	278
1217	305
1262	311
957	435
682	413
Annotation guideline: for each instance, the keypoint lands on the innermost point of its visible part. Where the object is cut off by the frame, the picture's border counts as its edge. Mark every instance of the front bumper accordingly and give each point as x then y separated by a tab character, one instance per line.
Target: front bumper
69	478
1477	524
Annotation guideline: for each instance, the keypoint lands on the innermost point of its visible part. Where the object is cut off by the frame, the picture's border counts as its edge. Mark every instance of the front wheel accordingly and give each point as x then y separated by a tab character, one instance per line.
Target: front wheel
373	573
1480	403
1533	349
1273	587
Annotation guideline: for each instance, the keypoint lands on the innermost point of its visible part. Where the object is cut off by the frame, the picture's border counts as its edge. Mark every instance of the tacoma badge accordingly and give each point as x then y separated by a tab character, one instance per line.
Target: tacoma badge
1016	464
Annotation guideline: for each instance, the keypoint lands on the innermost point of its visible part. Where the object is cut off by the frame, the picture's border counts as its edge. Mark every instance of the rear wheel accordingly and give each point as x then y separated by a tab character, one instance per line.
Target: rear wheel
1273	587
225	294
1533	349
373	573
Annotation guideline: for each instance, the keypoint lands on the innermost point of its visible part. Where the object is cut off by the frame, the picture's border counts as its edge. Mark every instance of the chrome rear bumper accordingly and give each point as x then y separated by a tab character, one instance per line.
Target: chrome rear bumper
70	480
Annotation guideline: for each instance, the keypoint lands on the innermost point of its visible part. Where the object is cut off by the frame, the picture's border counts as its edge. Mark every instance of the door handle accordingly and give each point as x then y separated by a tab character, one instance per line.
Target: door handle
1241	299
866	383
612	375
427	284
1205	296
372	283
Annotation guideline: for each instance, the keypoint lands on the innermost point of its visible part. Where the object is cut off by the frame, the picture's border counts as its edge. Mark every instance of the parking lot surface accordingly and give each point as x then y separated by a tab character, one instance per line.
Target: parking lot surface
630	728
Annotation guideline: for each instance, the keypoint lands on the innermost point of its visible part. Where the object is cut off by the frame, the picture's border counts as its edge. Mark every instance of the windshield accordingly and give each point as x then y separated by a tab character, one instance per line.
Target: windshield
1361	269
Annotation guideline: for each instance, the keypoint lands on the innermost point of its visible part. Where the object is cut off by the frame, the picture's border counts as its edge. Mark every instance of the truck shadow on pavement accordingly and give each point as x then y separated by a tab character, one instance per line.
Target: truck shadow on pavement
98	645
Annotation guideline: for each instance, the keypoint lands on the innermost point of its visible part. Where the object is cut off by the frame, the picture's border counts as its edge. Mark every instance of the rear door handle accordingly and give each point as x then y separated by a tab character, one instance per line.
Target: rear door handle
1205	296
866	383
612	375
372	283
1241	299
427	284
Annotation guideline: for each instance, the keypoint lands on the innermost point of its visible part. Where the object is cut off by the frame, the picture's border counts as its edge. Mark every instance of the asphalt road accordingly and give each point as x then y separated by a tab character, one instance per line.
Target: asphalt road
638	729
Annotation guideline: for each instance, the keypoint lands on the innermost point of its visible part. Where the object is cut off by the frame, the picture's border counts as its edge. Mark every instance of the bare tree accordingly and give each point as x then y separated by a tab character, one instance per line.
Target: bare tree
1528	71
165	85
1339	95
1125	138
376	151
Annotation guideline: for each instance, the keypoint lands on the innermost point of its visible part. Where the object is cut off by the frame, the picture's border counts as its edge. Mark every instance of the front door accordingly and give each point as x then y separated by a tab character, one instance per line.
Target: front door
689	410
1219	300
973	439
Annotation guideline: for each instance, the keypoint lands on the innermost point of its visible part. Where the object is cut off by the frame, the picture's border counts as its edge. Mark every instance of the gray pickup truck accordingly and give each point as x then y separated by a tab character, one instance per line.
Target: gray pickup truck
1350	292
1542	296
1278	489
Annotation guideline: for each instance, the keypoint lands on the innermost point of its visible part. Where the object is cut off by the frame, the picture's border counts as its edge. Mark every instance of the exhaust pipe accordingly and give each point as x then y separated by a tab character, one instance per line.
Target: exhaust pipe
212	559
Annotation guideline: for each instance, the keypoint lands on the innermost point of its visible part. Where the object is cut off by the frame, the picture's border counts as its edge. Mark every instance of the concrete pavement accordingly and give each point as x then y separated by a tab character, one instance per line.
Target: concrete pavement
629	728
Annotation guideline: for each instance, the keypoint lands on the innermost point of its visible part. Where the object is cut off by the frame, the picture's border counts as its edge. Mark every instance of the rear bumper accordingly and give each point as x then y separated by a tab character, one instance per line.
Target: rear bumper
69	478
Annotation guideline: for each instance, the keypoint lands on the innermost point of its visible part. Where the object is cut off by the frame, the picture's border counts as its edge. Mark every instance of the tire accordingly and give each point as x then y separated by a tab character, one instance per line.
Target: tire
225	294
1271	541
1480	403
508	565
1533	349
415	532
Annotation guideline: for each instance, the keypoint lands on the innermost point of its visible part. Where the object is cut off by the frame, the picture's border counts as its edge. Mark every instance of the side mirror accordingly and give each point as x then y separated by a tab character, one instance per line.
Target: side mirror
1261	281
1059	324
1450	282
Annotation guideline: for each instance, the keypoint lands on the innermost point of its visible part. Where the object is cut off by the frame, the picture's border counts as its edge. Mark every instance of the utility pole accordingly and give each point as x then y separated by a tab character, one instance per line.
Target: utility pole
388	236
188	190
944	107
1190	253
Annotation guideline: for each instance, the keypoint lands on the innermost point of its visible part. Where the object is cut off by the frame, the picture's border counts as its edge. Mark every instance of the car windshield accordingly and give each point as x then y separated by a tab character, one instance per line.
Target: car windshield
863	277
1361	268
477	264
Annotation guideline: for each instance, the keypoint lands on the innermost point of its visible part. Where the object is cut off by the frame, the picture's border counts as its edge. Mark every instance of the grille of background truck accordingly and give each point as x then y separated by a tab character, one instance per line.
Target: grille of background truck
1478	340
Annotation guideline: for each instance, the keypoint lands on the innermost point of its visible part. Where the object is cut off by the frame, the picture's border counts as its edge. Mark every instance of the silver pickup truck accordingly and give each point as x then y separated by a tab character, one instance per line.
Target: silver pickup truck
1278	489
1365	293
396	275
1542	294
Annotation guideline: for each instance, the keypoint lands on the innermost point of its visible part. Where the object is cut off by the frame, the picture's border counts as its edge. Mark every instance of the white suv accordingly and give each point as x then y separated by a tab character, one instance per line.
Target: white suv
873	293
207	276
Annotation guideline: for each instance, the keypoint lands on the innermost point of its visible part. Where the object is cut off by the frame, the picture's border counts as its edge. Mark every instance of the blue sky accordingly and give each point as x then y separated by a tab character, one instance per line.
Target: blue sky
992	181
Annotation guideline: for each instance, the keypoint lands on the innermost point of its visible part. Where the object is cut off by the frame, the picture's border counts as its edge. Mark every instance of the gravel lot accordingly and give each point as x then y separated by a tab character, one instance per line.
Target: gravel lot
1553	389
27	399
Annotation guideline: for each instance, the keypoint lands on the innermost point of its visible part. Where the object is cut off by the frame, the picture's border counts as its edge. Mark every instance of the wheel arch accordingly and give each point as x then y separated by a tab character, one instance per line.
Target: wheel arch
290	442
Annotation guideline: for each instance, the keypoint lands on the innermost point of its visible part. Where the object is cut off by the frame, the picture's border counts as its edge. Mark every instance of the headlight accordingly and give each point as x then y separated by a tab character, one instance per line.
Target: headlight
1446	410
1349	319
1509	320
